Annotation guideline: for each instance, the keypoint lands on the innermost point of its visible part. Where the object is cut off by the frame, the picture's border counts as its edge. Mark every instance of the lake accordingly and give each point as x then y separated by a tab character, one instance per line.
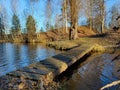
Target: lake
97	71
15	56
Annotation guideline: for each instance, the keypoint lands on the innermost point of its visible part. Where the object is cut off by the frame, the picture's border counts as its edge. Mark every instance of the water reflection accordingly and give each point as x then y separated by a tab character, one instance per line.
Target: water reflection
15	56
107	73
94	73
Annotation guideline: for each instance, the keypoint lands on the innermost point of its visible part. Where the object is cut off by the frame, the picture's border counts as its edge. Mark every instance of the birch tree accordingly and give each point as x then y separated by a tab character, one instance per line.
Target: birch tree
99	14
48	13
89	12
102	8
65	13
115	16
3	21
14	4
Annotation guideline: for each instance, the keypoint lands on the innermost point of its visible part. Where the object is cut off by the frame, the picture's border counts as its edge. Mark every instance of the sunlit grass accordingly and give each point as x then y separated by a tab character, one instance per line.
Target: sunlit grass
63	45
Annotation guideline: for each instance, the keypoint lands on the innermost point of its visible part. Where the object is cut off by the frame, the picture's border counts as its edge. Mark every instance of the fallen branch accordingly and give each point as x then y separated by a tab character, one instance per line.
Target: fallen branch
110	85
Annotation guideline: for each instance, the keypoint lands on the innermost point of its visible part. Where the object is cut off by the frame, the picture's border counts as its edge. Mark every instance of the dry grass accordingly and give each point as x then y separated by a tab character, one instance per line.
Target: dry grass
51	35
60	34
98	48
63	45
68	44
85	31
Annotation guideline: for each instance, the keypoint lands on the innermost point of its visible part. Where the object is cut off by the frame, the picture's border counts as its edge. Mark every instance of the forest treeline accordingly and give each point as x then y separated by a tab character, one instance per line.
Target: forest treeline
98	18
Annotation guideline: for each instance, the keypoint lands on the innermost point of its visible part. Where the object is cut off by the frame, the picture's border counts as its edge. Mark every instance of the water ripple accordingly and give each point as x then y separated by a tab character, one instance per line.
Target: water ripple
15	56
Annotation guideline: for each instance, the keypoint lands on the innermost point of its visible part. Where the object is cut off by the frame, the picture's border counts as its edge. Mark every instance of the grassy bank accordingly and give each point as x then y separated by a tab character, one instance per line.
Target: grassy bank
45	37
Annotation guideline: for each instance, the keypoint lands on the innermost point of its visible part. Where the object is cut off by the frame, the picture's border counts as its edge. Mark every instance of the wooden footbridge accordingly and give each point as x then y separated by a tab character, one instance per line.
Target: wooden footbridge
45	71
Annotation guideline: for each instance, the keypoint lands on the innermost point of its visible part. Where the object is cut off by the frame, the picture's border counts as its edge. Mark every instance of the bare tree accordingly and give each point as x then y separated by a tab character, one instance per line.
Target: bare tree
48	13
74	15
99	14
89	12
2	29
65	13
3	21
14	4
102	8
32	5
58	25
115	12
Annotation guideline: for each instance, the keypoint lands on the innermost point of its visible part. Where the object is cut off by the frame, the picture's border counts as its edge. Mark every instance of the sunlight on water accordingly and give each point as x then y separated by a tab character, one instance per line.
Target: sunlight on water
15	56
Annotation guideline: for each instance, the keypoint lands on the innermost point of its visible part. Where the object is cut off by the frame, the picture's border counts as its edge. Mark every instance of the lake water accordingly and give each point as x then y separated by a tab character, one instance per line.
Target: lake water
96	72
15	56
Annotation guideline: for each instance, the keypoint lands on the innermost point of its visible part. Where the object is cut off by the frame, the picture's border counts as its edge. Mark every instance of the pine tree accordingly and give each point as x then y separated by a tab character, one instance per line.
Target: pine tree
2	32
16	28
41	30
30	25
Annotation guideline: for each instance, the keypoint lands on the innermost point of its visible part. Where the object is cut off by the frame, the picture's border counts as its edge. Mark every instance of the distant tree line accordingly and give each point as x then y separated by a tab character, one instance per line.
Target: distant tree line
16	31
95	12
71	10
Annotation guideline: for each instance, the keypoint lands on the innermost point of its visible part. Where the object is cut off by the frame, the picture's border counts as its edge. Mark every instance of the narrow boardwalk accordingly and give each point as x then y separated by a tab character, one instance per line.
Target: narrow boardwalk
45	71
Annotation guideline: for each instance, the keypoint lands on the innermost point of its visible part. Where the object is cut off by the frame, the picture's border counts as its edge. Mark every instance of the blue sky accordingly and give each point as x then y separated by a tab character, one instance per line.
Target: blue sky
23	9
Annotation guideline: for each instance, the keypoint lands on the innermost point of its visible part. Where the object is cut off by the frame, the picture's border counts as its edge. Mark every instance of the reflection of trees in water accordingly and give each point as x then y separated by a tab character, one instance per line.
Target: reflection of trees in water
32	52
17	55
22	54
94	73
9	53
3	55
17	49
2	46
49	51
90	74
8	58
40	52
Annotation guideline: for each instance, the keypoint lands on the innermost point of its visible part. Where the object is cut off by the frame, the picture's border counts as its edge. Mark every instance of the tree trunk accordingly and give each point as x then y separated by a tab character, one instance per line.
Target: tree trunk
66	16
70	34
66	23
103	15
103	24
75	32
91	14
90	24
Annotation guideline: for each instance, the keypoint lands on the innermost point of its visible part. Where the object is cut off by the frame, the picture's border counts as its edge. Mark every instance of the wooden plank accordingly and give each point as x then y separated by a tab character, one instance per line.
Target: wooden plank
25	75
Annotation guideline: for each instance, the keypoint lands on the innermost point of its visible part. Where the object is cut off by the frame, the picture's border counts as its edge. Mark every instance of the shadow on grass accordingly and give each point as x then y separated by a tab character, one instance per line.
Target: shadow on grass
98	35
